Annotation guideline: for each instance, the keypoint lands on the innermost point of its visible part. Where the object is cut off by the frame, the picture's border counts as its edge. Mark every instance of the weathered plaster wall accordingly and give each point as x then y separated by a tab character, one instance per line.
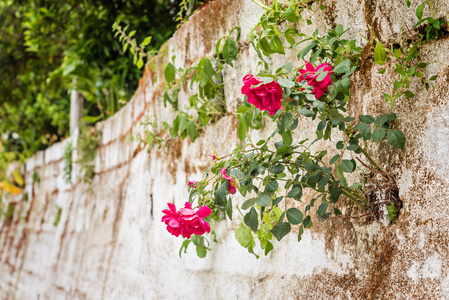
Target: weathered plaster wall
110	243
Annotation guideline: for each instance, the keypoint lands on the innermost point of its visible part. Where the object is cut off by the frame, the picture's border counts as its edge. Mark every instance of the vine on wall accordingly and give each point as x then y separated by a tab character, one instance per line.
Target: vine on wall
274	173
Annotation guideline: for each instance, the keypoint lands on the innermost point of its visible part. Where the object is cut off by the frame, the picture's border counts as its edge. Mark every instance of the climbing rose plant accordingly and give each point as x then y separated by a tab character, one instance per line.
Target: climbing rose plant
276	174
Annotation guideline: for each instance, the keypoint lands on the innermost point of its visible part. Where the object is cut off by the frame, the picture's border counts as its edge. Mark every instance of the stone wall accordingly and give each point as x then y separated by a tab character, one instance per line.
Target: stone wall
110	243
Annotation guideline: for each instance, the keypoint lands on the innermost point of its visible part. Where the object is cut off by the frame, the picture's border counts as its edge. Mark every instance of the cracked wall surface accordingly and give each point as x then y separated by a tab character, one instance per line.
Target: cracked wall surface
110	243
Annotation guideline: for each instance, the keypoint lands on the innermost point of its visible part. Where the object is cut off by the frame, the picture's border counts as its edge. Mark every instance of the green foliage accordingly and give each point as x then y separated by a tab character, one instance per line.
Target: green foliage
68	163
432	26
392	212
403	57
9	213
261	173
51	47
36	177
57	216
150	135
87	146
138	51
209	103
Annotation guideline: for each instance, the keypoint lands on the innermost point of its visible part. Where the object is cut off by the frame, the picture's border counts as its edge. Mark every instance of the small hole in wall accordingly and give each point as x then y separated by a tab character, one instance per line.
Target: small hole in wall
383	197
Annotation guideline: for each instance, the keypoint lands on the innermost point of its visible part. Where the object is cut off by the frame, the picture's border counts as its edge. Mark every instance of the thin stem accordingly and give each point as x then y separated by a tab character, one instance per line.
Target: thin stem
351	217
239	211
262	5
371	160
368	167
356	195
431	9
353	199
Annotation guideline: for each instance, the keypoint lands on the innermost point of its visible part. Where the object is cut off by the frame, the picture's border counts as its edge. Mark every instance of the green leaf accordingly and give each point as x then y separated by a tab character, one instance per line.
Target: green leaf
322	209
339	29
321	76
419	10
277	169
334	159
409	94
379	134
380	55
307	222
201	251
347	165
220	194
182	122
191	129
263	200
248	203
229	51
281	230
365	130
286	82
306	49
268	248
290	15
352	147
382	119
335	192
184	246
132	33
306	112
272	186
277	200
301	231
170	73
396	138
251	219
146	41
228	209
294	192
243	128
343	67
276	45
265	46
244	236
367	119
287	138
294	216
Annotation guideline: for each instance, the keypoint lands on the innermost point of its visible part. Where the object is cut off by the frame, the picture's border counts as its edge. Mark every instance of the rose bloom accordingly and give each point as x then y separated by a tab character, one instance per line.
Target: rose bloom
186	221
265	96
310	74
231	181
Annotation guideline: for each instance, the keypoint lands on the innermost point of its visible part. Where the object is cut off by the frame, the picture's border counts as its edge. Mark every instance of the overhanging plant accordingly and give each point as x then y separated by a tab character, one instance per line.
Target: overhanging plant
275	173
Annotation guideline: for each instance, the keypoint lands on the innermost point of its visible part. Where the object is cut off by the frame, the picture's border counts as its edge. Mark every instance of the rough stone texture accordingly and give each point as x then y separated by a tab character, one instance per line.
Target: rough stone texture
110	243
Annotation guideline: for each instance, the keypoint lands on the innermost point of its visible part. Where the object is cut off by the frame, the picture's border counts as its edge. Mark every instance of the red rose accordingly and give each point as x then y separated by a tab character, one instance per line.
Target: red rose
263	96
186	222
310	74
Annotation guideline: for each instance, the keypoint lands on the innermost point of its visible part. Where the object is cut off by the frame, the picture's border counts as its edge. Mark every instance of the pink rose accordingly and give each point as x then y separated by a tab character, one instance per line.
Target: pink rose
265	96
231	181
310	74
193	183
186	222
